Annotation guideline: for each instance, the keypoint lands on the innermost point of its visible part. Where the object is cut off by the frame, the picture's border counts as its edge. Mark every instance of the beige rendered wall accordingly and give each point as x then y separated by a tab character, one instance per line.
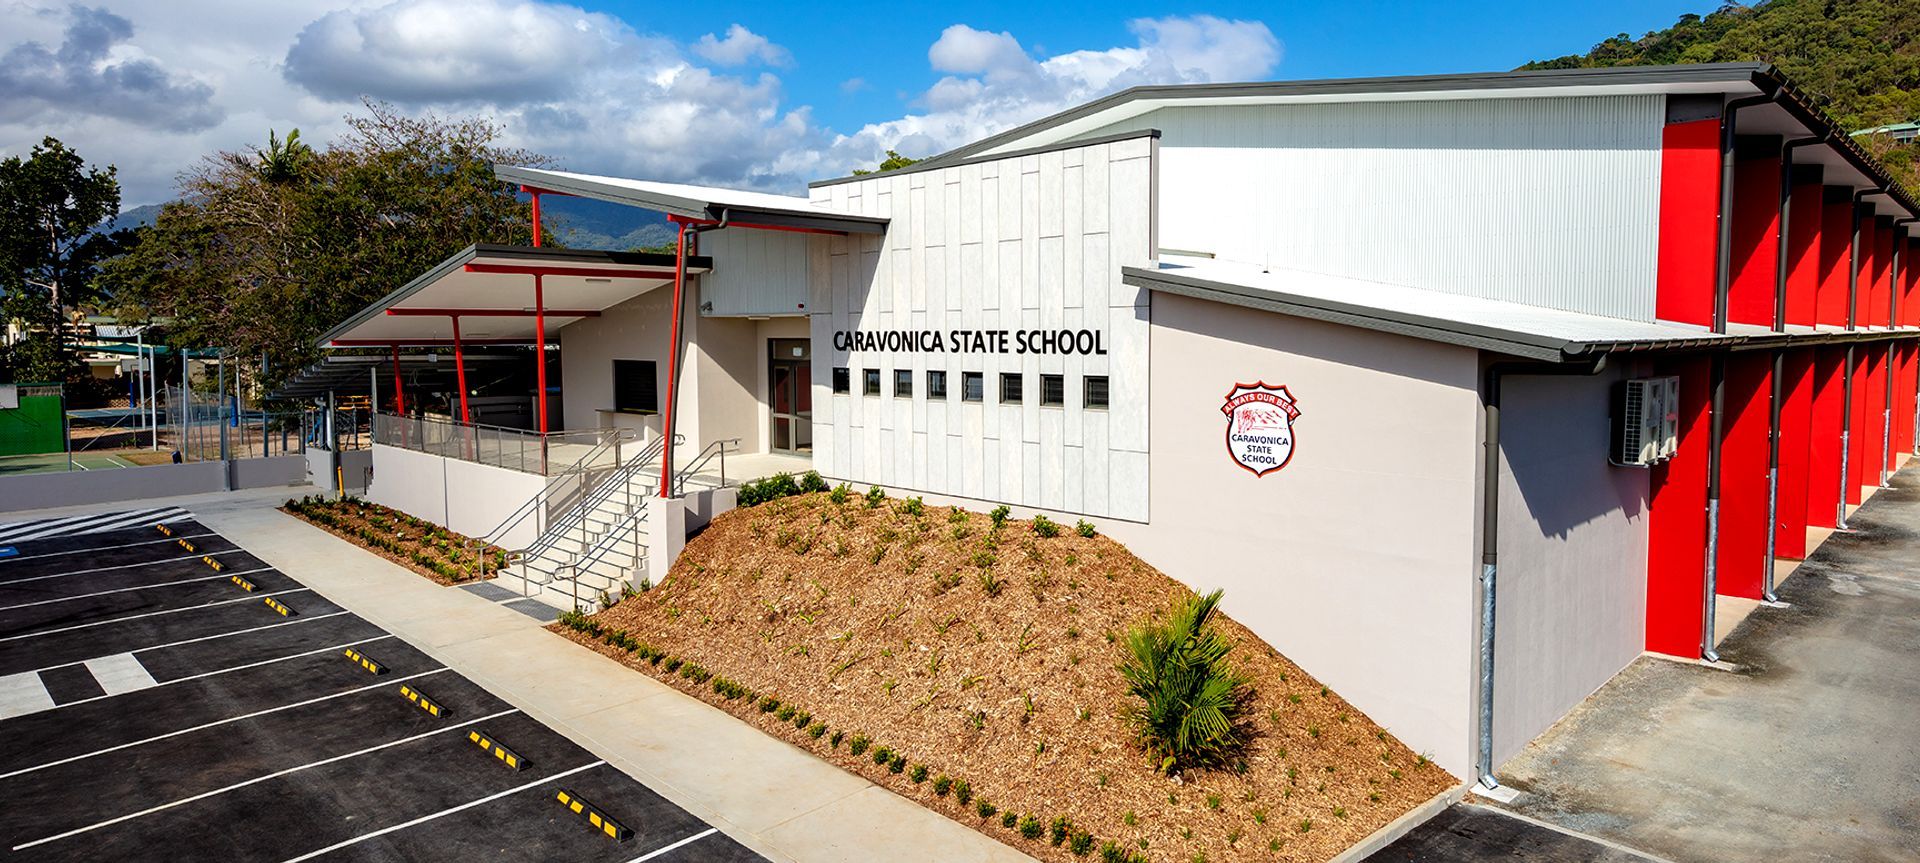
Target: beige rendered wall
725	356
1356	560
633	330
1573	555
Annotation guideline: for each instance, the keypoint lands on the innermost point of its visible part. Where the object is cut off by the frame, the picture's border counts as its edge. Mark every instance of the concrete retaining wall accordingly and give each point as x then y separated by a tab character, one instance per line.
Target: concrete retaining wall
461	496
74	488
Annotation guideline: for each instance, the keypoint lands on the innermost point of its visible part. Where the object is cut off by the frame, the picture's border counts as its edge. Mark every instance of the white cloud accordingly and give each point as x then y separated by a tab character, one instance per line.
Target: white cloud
963	50
587	88
458	51
993	84
741	46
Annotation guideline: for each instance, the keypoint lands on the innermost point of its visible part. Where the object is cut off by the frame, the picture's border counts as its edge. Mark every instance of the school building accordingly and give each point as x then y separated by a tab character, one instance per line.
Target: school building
1469	389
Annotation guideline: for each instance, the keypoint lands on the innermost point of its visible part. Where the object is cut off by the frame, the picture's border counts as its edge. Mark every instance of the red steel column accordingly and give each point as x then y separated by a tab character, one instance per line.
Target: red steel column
1742	550
540	352
1756	238
536	218
673	363
399	385
1825	417
460	372
1677	520
1796	447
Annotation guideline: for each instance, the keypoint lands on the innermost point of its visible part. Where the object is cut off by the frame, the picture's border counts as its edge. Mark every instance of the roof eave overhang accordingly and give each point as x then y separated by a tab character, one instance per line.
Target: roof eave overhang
1509	342
459	261
689	208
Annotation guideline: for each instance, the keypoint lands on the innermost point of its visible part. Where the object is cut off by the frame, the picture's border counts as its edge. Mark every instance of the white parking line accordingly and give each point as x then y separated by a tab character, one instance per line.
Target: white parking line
119	674
659	851
206	674
215	724
11	560
442	813
118	566
255	781
23	693
129	589
150	614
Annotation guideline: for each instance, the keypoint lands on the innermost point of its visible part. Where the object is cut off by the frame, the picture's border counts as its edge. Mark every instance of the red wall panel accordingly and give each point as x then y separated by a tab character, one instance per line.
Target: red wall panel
1677	522
1836	238
1879	416
1689	211
1900	368
1796	426
1742	549
1910	285
1875	276
1756	241
1857	426
1825	416
1803	252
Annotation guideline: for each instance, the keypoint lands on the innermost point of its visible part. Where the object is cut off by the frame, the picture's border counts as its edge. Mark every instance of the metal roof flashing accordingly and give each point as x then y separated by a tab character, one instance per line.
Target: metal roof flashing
1502	327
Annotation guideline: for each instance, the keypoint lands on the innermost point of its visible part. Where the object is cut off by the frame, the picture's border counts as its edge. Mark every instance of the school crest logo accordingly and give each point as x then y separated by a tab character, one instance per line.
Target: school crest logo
1260	426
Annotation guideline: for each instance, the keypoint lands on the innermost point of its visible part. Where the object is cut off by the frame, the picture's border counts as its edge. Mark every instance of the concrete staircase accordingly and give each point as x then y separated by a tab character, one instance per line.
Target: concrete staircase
598	545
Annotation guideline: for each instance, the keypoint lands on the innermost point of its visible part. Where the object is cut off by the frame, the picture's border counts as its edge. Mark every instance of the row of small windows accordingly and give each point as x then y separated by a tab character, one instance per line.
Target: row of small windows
973	386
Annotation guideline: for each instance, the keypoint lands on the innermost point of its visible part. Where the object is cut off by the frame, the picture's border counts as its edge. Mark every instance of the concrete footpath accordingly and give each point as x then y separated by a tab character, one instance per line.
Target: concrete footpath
768	795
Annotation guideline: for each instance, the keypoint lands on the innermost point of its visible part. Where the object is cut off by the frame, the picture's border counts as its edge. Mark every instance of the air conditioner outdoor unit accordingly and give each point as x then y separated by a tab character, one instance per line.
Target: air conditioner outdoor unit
1646	421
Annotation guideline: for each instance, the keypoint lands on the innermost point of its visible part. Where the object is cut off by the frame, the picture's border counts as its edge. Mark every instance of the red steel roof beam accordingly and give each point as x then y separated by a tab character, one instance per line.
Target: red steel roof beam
585	272
491	313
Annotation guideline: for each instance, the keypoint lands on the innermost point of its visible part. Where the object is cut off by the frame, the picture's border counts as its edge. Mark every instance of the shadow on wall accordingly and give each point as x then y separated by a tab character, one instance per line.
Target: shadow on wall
1554	436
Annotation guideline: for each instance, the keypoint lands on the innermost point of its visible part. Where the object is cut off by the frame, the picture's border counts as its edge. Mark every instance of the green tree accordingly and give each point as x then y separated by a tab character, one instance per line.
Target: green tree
51	204
893	162
267	248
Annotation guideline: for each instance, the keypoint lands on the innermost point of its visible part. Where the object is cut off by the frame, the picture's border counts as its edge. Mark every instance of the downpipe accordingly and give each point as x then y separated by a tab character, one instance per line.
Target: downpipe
1490	534
1716	425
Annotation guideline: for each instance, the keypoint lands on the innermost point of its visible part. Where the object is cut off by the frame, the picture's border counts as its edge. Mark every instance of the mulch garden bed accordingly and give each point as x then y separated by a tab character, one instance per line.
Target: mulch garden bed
971	663
417	544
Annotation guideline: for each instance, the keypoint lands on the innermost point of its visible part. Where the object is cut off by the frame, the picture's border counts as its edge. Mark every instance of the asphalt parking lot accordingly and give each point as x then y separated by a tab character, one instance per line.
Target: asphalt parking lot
152	708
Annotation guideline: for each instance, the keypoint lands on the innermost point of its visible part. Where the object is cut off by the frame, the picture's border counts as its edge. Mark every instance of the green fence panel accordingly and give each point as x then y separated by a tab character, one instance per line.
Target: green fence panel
38	425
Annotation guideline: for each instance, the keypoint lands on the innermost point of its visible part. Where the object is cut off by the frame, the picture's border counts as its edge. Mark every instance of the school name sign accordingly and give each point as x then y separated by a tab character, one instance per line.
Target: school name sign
1058	342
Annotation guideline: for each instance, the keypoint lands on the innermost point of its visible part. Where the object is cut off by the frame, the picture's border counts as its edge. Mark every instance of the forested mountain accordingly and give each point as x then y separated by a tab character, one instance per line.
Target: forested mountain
1860	57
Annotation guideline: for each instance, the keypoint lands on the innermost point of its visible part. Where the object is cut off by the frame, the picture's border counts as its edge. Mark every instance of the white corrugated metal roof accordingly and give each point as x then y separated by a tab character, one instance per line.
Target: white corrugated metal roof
1491	324
694	202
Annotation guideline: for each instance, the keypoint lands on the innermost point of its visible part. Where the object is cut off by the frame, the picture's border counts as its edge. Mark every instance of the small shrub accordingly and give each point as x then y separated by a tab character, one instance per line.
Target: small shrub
913	506
1084	528
875	496
1080	843
802	719
1045	527
999	516
1007	819
942	784
785	713
840	493
858	744
833	742
1213	801
1188	701
897	763
812	482
962	791
769	704
1111	853
815	730
918	774
1058	830
882	755
1030	827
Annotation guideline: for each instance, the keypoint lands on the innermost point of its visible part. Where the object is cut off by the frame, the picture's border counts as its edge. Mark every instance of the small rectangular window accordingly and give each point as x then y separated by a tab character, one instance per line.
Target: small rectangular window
842	380
1012	388
1096	392
973	387
635	387
903	383
1053	390
870	381
936	385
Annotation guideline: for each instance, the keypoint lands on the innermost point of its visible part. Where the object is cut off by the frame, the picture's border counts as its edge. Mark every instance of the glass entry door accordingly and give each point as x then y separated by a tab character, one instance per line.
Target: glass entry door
790	394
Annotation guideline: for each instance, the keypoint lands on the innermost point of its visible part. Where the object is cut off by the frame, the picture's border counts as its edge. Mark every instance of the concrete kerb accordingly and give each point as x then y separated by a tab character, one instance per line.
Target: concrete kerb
1403	825
470	629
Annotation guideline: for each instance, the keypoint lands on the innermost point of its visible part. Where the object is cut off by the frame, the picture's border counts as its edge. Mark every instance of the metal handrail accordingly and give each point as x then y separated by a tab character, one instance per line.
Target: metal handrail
620	478
717	449
468	441
536	503
629	524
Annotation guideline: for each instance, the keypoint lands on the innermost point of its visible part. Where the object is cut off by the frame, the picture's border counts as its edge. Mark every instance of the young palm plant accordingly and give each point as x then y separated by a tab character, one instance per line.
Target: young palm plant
1188	699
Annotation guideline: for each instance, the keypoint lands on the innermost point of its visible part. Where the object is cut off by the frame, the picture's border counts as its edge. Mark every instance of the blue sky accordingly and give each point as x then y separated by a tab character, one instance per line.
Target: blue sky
750	95
1319	40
